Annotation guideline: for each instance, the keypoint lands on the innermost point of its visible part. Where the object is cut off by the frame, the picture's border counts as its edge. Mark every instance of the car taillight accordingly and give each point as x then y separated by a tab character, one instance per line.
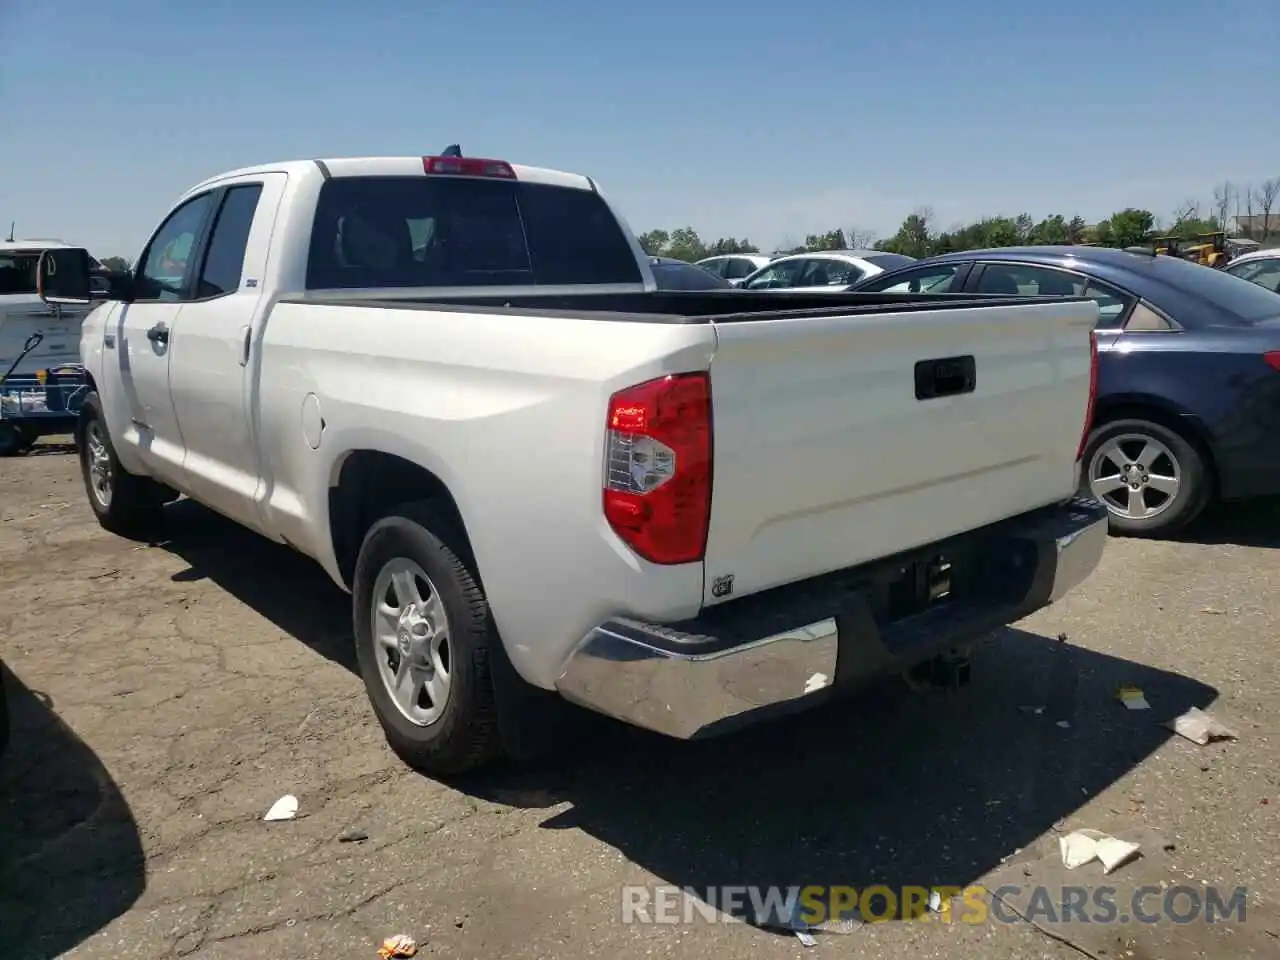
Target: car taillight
468	167
1093	393
1273	359
657	468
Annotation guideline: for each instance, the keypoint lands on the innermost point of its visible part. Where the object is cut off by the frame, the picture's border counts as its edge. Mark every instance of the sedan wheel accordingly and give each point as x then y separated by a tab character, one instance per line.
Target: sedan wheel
1136	476
1151	479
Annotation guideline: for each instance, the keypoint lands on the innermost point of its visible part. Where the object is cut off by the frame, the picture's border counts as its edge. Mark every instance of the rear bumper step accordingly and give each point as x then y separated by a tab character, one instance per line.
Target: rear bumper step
790	648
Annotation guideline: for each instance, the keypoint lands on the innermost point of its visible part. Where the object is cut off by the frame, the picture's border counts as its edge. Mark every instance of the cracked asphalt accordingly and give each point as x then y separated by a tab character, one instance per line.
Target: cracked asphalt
164	696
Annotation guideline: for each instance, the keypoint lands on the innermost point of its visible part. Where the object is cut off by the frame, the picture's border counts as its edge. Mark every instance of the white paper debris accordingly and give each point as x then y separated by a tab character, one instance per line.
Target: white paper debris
1133	698
1199	727
286	808
816	682
1084	846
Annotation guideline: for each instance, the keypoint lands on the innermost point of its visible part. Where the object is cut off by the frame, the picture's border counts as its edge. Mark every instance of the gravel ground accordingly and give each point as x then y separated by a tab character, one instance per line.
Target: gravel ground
165	695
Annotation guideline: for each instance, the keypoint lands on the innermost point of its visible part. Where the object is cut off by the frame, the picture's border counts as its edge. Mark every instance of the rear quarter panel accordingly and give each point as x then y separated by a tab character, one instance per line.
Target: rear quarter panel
509	412
1212	379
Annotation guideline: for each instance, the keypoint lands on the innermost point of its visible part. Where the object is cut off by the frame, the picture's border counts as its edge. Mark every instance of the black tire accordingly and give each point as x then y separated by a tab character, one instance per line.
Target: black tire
12	440
1195	487
133	505
465	736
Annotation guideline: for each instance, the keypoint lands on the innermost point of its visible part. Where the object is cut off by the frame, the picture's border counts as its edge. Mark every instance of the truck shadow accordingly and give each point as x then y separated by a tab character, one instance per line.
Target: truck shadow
889	787
893	787
71	857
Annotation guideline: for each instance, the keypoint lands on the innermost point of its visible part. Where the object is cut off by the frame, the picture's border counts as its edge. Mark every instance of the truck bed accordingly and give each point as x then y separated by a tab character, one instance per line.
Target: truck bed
676	306
847	426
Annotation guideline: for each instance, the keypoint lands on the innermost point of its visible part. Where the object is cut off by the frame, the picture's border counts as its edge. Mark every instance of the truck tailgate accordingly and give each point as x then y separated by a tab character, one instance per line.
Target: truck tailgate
826	457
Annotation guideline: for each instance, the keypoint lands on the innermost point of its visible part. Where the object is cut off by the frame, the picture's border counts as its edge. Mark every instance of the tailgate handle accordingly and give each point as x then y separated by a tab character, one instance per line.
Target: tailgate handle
945	377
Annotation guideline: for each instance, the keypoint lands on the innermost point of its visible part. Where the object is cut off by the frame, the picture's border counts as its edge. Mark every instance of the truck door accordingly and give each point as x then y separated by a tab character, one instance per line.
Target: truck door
211	382
140	336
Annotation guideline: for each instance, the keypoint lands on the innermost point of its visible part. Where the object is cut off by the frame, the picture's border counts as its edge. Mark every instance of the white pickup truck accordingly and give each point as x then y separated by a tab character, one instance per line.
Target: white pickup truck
452	382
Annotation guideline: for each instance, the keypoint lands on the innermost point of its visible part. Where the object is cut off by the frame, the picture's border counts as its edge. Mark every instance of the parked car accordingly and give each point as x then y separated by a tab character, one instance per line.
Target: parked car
1261	267
1188	405
829	270
734	267
672	274
513	479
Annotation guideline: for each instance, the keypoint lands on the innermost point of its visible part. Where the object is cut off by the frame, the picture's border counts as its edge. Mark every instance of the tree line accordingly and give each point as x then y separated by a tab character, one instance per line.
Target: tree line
1243	211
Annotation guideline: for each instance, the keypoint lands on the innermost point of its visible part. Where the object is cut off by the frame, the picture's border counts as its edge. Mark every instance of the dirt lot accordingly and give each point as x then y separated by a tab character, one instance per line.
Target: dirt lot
166	695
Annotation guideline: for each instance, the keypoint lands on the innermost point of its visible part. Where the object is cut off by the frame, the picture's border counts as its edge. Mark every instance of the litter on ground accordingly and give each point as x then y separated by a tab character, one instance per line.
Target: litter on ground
286	808
1084	846
401	945
1133	698
1200	727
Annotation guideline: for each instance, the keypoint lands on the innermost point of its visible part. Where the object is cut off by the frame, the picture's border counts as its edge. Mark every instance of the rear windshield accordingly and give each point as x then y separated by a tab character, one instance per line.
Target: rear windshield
18	271
1246	301
462	232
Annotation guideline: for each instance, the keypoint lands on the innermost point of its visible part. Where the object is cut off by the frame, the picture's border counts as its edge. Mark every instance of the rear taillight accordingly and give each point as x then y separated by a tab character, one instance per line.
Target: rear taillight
1093	393
1273	359
657	468
468	167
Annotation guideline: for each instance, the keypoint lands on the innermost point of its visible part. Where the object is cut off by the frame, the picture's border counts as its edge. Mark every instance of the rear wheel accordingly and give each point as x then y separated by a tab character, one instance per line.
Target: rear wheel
1152	479
423	641
123	502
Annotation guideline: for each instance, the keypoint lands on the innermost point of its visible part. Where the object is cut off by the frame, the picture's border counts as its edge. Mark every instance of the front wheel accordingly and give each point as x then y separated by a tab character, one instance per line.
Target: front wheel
124	503
1152	480
423	640
12	440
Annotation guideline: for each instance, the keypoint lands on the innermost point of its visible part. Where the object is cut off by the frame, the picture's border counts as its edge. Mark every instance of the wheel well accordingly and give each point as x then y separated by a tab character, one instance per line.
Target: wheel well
1183	426
370	483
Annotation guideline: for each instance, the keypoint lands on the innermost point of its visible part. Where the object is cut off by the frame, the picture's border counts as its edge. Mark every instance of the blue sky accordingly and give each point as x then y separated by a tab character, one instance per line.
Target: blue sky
745	118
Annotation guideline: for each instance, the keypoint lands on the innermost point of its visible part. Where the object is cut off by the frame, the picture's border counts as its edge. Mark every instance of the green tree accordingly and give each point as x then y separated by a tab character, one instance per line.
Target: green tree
654	242
685	244
914	238
727	245
1130	227
831	240
1053	229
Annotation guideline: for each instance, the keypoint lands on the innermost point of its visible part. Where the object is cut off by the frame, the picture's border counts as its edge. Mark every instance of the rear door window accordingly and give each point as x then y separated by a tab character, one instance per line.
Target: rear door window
18	272
933	278
777	276
463	232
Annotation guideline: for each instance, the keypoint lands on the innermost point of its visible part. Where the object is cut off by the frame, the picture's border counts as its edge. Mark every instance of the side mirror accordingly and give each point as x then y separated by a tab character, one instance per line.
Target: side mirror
63	276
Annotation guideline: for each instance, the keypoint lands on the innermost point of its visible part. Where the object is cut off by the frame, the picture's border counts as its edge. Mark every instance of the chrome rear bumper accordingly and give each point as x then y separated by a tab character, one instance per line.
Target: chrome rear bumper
699	678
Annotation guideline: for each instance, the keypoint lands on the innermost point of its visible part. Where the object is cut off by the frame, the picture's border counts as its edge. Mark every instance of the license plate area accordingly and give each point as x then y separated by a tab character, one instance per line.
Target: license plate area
917	585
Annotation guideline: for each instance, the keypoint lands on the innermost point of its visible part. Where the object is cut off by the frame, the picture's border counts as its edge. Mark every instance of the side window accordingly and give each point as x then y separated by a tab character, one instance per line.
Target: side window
1112	304
739	269
1018	280
777	275
1265	273
18	273
224	261
574	237
166	266
937	278
717	268
1145	320
830	273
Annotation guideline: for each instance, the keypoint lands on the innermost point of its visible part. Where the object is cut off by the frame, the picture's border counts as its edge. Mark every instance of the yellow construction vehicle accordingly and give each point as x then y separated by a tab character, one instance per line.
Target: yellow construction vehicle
1211	251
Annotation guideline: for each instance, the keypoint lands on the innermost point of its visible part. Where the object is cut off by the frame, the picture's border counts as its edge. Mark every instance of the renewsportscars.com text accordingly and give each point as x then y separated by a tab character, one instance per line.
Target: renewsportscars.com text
815	905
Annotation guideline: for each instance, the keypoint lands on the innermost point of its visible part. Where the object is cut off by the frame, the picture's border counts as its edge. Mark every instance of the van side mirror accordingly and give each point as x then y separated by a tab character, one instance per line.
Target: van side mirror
63	276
